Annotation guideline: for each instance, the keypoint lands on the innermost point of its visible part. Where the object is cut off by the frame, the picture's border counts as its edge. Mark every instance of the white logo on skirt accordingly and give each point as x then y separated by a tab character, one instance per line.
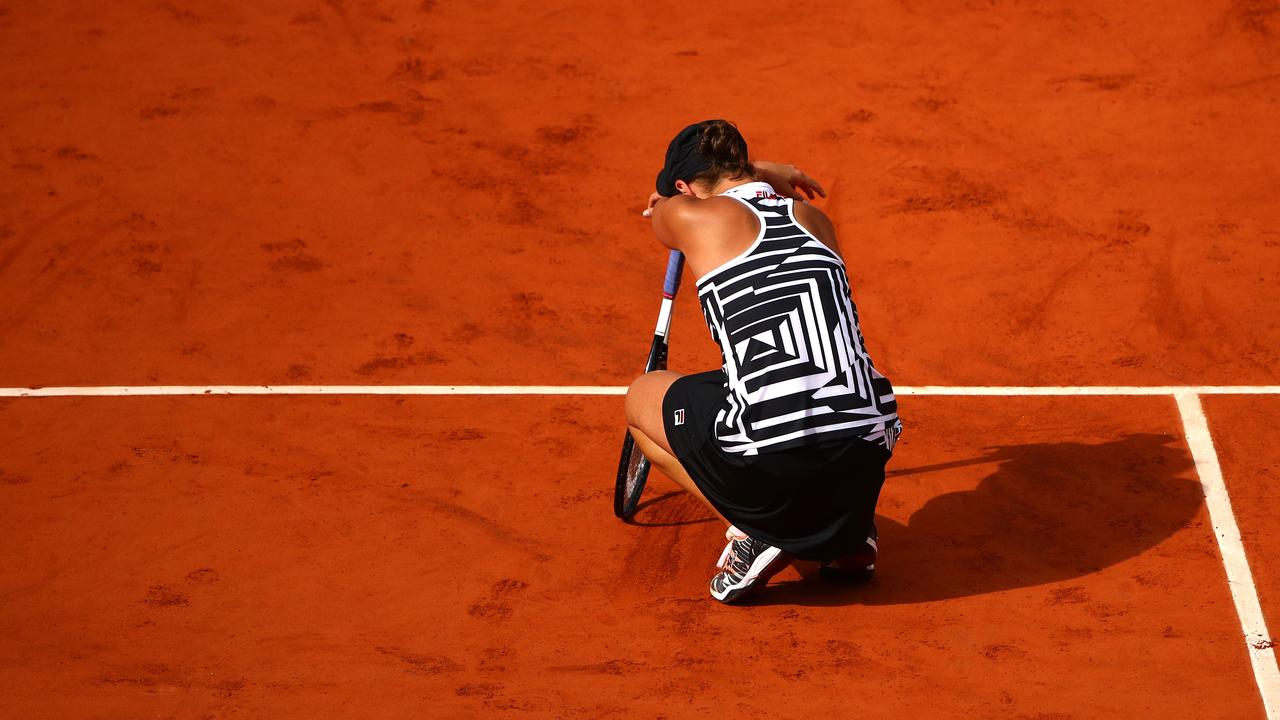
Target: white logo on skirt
679	416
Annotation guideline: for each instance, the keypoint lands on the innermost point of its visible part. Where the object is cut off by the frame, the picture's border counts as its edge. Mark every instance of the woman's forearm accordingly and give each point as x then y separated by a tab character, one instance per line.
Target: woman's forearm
788	180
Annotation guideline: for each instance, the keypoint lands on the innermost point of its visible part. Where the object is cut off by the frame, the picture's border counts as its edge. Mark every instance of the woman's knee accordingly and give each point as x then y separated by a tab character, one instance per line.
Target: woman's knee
645	395
634	401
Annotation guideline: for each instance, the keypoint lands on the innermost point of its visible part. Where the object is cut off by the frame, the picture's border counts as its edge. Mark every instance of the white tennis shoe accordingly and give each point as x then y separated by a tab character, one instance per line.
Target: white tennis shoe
745	566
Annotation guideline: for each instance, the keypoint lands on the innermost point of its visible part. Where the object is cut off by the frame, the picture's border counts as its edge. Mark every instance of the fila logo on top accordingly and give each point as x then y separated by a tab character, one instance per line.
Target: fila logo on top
679	416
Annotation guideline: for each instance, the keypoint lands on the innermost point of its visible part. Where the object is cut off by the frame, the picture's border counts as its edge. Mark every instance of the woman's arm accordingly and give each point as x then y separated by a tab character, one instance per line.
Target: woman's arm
788	180
672	218
816	222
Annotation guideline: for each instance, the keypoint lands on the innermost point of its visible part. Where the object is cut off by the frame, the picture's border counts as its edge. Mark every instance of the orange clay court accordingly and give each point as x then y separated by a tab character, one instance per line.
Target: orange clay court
249	204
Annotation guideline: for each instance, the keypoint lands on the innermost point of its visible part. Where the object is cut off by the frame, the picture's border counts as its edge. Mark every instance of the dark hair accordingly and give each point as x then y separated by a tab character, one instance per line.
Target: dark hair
724	148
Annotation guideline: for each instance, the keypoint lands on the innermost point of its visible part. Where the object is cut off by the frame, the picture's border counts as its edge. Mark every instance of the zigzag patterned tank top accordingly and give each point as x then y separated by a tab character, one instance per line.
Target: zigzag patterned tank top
796	366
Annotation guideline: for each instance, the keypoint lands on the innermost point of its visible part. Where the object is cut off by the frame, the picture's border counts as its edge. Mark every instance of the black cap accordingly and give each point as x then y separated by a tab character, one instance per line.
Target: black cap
684	161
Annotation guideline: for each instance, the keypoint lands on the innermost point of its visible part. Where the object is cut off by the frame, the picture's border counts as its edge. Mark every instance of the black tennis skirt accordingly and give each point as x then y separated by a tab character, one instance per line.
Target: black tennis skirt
816	502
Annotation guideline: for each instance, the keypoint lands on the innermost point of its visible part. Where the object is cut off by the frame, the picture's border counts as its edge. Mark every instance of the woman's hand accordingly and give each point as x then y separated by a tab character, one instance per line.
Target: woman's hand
653	200
789	180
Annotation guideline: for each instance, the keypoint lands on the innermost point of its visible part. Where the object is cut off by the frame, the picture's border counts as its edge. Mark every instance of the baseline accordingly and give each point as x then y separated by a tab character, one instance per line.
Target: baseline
978	390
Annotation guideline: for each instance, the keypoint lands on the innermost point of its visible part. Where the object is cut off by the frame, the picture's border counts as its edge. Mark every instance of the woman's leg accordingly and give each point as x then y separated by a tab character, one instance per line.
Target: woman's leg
745	566
644	417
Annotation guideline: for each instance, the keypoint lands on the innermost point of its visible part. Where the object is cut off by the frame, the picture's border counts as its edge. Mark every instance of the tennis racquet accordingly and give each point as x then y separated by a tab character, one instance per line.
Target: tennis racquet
633	467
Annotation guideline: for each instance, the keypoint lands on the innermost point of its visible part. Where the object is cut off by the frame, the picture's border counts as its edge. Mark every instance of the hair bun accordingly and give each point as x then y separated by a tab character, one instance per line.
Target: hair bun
724	148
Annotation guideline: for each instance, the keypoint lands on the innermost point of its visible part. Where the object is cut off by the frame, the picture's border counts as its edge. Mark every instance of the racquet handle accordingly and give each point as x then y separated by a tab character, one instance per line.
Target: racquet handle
675	266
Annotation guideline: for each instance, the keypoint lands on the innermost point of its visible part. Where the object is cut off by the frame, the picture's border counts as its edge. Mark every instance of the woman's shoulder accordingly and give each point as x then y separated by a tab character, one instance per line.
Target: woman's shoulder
816	222
690	206
707	230
689	216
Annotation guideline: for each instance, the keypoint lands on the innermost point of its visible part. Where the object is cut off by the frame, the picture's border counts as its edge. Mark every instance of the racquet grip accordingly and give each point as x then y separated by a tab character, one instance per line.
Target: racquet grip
675	266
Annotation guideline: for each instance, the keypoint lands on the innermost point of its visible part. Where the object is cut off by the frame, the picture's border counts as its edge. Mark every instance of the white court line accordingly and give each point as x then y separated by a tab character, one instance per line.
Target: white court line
1261	653
1123	390
153	390
981	390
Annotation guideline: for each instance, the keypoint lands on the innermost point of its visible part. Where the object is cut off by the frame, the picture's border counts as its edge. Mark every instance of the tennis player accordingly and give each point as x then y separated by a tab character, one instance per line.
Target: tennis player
788	440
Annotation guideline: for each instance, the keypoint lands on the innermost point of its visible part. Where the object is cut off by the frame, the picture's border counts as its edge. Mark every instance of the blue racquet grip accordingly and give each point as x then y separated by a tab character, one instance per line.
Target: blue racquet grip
675	265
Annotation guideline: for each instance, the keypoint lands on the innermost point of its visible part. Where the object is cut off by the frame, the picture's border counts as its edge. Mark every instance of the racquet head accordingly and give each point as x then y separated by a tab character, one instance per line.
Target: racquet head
633	471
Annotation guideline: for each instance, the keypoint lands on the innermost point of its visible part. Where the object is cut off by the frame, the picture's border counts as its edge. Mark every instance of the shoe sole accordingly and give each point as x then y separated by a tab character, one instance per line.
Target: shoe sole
766	565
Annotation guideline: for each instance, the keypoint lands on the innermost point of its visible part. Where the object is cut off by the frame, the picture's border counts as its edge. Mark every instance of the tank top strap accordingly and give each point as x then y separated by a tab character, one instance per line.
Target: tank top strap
762	200
755	191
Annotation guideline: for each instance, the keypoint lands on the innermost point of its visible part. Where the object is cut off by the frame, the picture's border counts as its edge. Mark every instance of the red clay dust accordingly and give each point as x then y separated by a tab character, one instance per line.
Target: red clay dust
366	192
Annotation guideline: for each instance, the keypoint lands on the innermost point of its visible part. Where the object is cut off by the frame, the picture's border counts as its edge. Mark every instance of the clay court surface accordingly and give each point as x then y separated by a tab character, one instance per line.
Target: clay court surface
440	194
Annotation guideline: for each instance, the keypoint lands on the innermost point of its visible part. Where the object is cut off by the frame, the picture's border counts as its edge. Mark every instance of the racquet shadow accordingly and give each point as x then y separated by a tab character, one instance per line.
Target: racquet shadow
671	509
1048	512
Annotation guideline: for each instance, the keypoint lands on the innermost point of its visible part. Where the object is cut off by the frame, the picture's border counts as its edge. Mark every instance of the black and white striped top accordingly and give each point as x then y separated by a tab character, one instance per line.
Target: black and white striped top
796	366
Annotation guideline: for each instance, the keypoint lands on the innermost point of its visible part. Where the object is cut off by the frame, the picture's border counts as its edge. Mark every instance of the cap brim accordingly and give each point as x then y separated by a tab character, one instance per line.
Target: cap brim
666	184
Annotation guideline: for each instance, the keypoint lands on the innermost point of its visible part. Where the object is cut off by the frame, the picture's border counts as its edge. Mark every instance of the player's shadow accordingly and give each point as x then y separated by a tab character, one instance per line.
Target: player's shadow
1048	512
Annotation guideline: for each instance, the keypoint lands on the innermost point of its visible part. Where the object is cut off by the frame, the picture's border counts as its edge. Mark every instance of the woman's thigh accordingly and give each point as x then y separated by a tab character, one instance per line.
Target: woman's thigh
644	404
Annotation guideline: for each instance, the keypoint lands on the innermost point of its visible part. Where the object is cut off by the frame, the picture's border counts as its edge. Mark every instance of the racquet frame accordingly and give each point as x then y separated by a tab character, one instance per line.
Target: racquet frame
624	502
